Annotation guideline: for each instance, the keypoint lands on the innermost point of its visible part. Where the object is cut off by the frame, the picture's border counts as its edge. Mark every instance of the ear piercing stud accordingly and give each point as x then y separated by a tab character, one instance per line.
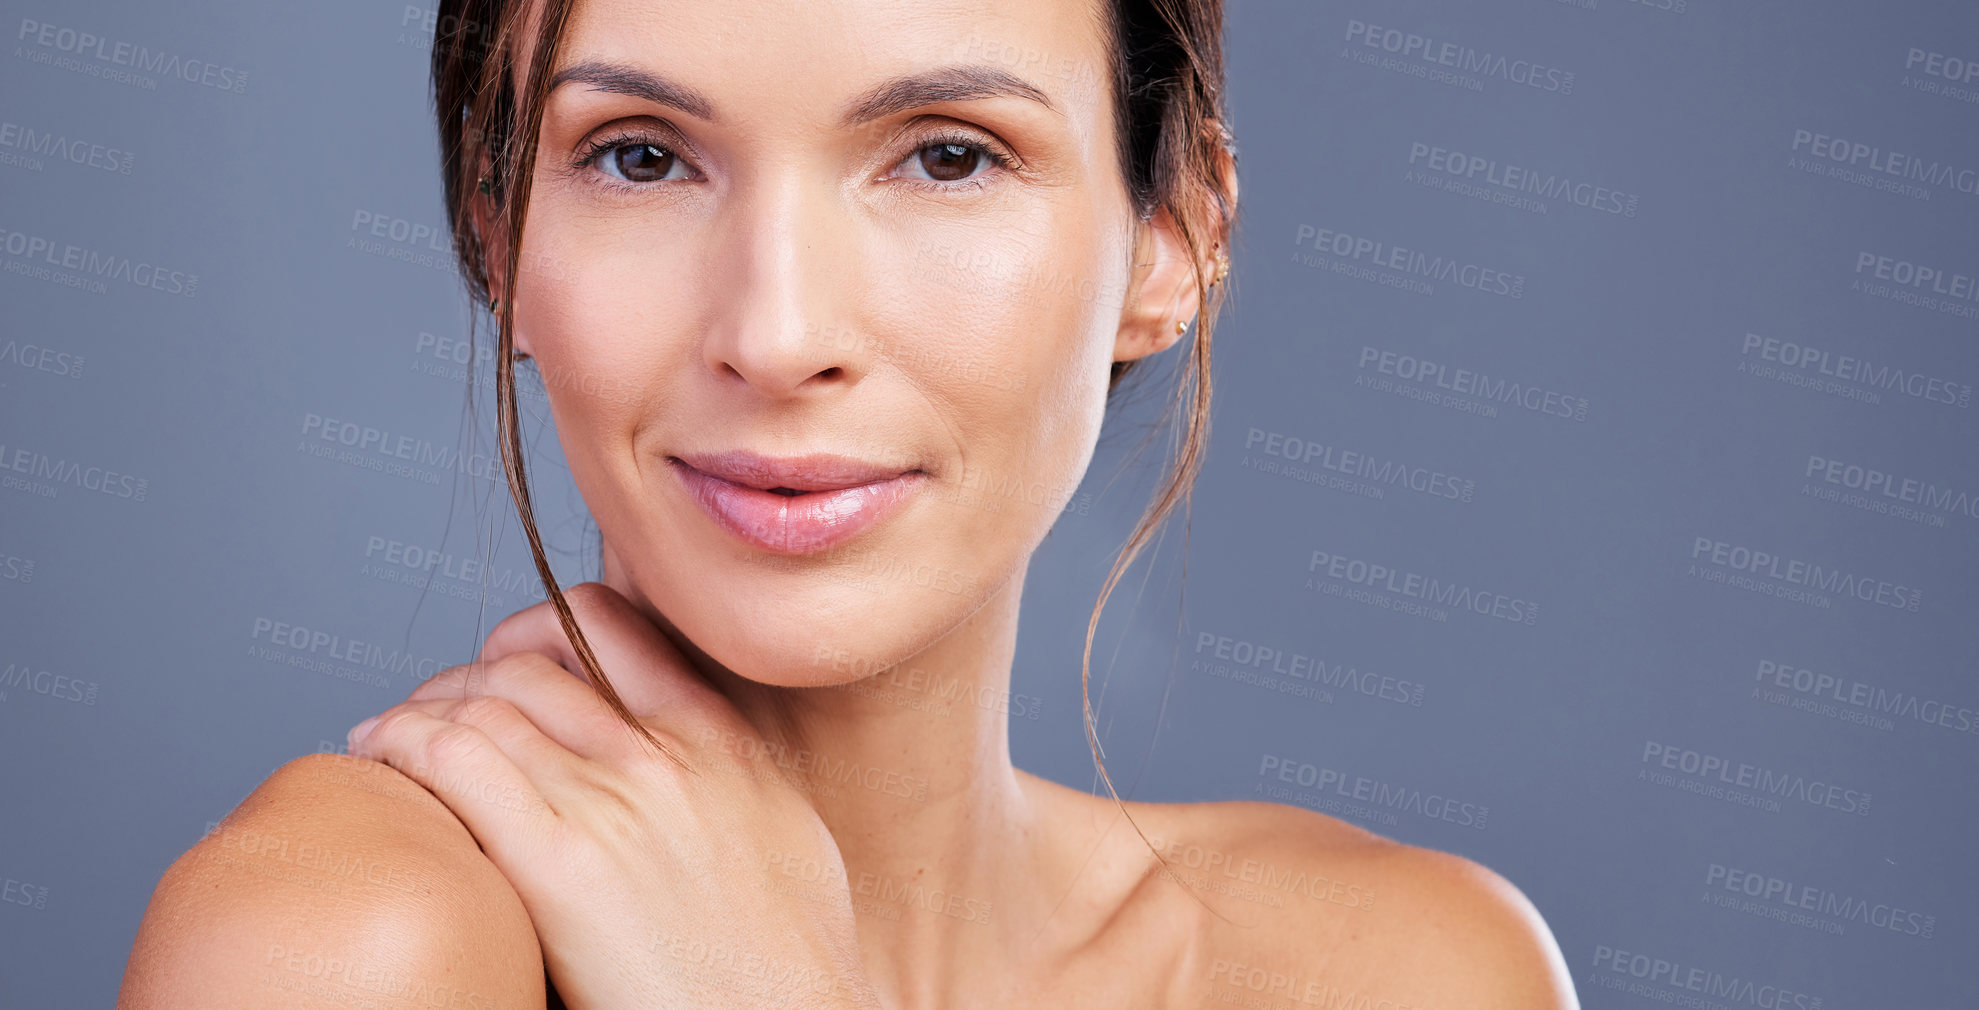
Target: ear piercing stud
495	307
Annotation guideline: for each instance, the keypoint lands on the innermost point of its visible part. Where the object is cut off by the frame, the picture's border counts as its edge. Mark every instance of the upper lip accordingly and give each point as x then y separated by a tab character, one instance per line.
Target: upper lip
820	471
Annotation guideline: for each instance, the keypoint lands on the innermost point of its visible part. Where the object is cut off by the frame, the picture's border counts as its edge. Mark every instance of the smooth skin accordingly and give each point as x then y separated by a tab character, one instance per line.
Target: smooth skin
740	261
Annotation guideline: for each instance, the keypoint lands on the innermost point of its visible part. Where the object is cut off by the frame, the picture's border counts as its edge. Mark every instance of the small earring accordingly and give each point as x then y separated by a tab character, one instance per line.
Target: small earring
1181	327
484	185
1222	269
495	306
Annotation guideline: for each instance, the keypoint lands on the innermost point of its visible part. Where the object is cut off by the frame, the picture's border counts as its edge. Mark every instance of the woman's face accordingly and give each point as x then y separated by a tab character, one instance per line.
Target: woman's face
891	232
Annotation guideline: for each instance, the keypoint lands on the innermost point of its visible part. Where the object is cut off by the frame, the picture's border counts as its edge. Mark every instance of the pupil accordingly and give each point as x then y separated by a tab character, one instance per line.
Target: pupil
949	162
642	162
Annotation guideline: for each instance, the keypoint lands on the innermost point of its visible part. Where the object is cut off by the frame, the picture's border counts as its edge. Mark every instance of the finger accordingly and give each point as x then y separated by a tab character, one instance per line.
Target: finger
544	761
649	673
465	769
557	704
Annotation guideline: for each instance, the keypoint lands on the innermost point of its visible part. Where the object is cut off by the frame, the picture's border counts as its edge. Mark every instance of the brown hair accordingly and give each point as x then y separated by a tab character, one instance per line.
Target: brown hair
1167	67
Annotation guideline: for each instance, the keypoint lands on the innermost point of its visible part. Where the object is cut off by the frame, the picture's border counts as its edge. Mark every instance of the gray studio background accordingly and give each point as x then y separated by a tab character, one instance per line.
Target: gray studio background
1644	332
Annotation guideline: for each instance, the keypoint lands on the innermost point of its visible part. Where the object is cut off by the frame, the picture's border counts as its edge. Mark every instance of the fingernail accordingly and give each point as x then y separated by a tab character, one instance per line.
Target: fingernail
357	732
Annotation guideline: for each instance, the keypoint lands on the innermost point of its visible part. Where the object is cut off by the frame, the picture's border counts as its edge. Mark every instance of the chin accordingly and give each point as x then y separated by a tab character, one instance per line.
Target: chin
793	622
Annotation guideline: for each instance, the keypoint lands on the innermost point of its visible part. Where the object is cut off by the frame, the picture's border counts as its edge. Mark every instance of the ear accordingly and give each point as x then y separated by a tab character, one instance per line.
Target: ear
492	231
1161	293
1162	290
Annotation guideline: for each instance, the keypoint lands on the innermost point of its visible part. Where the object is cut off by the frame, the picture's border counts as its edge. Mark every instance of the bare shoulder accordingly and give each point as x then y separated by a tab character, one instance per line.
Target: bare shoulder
1301	908
338	881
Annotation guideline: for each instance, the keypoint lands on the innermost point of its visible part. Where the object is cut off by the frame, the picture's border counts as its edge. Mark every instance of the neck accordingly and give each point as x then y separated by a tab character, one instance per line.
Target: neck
908	766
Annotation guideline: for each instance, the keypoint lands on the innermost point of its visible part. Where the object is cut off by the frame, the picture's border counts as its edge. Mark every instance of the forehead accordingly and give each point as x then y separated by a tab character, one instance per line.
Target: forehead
813	54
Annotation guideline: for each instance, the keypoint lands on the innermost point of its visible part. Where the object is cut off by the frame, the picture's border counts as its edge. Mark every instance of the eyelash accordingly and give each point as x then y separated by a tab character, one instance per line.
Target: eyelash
996	155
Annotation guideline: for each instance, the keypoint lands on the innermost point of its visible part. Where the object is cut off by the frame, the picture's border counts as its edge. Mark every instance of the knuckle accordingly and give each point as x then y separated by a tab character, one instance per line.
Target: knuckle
451	744
514	623
597	601
590	594
391	722
528	664
453	678
520	626
483	709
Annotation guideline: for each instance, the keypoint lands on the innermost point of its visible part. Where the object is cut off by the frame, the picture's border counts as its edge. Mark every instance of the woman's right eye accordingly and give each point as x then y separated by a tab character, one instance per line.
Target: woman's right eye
638	161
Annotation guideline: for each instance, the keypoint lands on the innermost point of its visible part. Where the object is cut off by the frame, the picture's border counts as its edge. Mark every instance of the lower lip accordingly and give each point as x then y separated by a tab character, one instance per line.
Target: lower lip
796	524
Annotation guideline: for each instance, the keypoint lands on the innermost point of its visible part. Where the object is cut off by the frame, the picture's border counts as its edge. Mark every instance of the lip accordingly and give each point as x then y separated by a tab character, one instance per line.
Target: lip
837	496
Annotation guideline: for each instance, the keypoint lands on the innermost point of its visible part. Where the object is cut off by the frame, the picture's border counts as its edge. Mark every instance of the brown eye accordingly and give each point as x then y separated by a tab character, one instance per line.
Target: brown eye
950	162
639	162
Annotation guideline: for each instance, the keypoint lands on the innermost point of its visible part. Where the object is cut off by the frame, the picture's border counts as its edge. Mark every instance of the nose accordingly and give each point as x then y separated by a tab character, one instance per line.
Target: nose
786	281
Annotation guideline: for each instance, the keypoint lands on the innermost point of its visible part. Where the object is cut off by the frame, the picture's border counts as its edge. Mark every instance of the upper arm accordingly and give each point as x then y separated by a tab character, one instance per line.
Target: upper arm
338	882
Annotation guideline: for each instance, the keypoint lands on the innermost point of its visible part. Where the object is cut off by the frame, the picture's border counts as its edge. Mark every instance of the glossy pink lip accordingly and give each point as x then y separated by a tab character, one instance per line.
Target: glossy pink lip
824	499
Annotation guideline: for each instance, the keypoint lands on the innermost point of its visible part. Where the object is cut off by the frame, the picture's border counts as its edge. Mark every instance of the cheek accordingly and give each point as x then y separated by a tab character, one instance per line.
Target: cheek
594	343
1028	319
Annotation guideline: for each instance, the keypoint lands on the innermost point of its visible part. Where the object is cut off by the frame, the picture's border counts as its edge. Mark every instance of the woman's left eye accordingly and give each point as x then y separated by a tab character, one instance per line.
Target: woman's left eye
949	161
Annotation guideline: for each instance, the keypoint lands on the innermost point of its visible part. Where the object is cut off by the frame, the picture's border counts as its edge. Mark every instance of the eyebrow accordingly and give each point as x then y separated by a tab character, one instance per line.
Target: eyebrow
619	79
943	84
909	91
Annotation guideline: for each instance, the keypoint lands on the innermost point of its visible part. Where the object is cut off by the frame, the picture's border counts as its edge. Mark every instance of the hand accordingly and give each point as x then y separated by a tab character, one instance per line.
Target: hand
650	884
